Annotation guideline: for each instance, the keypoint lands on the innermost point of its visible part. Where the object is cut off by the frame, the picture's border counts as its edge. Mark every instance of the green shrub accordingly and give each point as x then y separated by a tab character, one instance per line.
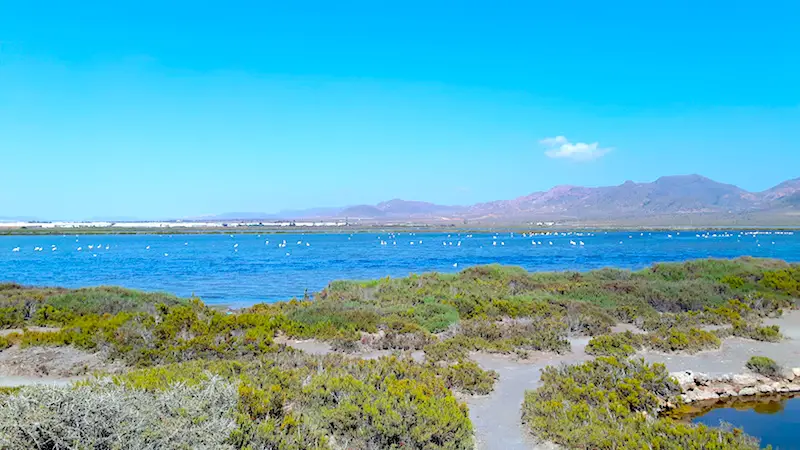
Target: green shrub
468	377
105	415
4	343
611	403
618	344
765	366
296	401
690	341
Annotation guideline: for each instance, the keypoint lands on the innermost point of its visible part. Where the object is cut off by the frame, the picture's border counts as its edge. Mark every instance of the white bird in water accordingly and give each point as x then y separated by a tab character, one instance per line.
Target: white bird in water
166	254
571	242
235	245
54	248
308	245
185	243
91	247
551	242
581	243
107	247
455	264
494	243
15	249
502	243
147	248
266	242
79	249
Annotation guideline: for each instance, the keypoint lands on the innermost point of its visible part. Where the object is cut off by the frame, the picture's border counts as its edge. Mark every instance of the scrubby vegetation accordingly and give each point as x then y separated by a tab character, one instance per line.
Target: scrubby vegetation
765	366
692	340
106	415
285	400
613	403
490	308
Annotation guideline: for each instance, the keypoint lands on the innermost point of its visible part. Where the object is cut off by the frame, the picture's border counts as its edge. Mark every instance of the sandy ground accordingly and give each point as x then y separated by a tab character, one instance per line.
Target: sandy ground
54	365
314	347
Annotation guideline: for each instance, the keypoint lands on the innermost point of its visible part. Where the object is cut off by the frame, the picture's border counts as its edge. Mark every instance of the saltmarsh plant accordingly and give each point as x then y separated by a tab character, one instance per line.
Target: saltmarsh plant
290	400
489	308
765	366
613	403
108	415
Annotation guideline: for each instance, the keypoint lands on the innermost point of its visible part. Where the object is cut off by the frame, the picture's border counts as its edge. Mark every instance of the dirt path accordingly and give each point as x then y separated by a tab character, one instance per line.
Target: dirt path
496	416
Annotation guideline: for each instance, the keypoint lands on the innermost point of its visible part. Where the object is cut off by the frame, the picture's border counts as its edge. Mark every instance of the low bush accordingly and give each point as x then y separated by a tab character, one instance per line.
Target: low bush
107	415
611	403
765	366
617	344
690	341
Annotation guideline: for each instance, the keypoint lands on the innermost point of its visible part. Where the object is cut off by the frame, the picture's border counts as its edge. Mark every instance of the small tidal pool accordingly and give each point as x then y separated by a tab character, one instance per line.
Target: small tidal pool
773	420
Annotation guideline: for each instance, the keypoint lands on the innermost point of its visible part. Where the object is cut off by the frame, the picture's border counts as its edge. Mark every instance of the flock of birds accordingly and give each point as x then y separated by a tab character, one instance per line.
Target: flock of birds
574	239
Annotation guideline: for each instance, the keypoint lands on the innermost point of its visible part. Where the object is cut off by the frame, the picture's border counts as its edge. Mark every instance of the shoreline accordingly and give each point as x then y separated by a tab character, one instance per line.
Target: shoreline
378	228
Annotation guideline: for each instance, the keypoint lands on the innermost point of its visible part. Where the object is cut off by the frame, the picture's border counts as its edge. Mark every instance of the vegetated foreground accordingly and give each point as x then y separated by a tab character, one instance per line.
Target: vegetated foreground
203	378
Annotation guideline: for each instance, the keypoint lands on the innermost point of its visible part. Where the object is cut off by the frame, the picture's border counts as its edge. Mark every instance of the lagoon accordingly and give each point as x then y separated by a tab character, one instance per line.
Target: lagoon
775	422
243	269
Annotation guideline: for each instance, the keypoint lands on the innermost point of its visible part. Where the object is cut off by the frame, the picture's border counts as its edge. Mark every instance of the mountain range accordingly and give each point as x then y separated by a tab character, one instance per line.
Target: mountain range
683	196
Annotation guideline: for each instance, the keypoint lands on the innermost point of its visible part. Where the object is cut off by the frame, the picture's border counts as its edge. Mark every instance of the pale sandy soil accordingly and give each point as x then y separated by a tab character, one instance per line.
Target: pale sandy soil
315	347
59	365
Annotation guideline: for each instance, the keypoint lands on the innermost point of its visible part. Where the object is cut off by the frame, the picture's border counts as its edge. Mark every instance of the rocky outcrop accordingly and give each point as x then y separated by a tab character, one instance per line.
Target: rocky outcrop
697	386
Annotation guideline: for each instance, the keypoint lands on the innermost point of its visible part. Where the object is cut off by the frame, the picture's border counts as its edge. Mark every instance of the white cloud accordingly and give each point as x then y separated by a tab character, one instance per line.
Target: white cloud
554	141
560	147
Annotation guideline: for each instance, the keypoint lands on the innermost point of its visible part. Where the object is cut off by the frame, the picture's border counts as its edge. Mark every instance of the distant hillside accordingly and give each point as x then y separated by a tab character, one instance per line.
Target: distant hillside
669	196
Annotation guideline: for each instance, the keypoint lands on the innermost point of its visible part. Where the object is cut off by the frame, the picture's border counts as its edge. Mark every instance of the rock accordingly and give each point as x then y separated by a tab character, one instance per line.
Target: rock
726	378
789	375
793	387
744	392
766	389
722	388
781	387
796	372
744	380
702	379
729	393
699	395
685	379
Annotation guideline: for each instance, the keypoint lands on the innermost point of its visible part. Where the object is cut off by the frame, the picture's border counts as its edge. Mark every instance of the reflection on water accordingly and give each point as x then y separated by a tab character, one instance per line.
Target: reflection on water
775	420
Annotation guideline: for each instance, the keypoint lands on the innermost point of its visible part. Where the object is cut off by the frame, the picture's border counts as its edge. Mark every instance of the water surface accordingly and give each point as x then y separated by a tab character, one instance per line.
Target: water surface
243	269
775	422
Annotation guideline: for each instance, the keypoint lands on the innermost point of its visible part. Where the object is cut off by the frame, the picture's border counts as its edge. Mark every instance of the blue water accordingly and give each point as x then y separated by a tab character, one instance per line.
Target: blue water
213	269
776	423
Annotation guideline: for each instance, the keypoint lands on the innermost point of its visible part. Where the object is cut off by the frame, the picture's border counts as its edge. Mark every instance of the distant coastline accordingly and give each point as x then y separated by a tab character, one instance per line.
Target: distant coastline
308	227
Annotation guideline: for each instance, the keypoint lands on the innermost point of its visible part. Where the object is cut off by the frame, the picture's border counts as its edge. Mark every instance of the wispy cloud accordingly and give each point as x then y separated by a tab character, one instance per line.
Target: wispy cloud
561	147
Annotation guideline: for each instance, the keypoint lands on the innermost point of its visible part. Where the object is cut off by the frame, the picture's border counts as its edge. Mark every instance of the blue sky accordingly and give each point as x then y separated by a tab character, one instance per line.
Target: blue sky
173	109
